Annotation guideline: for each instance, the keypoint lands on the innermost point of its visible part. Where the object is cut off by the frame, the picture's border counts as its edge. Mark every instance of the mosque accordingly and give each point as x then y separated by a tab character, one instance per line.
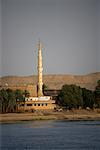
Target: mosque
37	101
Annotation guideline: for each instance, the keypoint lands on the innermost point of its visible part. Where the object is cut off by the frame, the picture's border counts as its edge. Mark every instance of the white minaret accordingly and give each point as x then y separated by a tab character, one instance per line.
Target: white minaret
40	69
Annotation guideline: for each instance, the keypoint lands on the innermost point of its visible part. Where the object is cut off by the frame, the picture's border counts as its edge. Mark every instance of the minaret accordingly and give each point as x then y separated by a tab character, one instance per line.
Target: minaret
40	69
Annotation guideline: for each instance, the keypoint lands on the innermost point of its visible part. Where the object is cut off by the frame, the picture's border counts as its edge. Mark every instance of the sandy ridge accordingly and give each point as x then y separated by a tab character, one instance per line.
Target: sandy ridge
53	81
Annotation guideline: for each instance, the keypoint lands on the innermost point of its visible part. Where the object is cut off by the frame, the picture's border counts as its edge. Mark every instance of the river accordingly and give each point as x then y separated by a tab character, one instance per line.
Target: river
50	135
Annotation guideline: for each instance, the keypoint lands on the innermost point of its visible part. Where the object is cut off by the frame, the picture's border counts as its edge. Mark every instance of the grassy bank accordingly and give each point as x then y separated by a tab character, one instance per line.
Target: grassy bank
51	115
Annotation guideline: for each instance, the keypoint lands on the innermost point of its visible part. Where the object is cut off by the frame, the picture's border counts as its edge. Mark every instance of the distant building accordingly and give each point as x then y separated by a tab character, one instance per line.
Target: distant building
37	100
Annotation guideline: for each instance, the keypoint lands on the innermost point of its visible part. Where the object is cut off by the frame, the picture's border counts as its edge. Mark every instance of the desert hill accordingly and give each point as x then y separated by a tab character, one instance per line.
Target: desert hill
53	81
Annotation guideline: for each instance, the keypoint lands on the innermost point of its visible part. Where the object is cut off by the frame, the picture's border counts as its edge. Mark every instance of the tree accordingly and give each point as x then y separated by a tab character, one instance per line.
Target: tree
70	96
7	101
9	98
0	102
11	106
19	95
4	100
88	98
97	94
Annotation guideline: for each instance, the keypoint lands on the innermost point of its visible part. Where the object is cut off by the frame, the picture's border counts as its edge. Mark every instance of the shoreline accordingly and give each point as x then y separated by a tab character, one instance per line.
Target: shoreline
75	115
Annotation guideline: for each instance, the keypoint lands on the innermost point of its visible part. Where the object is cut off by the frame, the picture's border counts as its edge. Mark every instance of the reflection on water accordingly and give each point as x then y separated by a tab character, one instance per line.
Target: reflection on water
51	135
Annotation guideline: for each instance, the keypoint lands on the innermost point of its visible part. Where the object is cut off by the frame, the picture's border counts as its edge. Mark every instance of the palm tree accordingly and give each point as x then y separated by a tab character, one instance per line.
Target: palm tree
4	100
19	95
11	107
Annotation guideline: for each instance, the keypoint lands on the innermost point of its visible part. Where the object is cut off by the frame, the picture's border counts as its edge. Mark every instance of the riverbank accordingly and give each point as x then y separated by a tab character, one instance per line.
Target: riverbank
51	115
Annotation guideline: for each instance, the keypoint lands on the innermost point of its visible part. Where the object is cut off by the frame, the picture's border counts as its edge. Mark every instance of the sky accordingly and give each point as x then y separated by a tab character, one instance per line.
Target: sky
98	36
68	29
0	40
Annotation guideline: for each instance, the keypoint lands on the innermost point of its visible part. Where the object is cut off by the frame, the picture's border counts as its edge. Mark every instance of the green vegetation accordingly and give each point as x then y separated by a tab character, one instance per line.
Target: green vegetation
88	98
72	96
97	94
8	99
19	95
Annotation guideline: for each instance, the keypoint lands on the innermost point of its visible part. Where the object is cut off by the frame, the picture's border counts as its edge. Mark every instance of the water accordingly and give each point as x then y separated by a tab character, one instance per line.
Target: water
51	135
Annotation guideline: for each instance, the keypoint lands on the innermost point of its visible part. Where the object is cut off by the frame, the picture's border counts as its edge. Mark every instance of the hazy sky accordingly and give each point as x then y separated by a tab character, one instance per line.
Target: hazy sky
0	38
98	36
68	29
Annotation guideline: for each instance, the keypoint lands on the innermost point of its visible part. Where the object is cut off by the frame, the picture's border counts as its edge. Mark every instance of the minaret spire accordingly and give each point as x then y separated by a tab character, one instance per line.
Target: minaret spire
40	69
